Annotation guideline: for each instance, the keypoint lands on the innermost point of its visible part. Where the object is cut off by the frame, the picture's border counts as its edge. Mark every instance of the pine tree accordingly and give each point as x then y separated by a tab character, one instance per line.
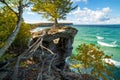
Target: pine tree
53	9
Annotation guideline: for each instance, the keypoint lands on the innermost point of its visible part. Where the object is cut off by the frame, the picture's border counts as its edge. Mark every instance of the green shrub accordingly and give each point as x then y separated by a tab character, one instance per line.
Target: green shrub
92	59
23	36
7	26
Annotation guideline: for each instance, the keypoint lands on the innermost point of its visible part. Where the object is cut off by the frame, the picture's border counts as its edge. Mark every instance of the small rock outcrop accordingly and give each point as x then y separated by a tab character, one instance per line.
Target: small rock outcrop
59	41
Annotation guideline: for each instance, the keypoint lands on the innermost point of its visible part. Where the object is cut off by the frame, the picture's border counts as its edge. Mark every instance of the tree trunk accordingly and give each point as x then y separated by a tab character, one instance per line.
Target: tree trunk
12	37
55	23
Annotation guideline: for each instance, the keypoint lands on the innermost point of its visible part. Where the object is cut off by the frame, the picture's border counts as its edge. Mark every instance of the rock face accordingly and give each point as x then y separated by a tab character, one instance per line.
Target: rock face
59	41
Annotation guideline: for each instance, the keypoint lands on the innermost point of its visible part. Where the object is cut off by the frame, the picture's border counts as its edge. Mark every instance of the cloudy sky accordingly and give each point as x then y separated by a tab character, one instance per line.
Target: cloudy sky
88	12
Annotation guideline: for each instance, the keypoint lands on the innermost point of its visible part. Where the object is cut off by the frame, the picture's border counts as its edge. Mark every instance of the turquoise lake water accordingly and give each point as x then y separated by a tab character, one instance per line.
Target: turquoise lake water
105	36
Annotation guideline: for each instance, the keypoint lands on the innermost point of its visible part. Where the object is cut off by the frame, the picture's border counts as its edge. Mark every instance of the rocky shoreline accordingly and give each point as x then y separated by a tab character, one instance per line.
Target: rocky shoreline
46	24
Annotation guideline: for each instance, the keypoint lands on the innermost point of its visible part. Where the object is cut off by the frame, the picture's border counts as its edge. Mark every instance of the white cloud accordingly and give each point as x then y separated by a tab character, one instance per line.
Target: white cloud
33	21
114	20
107	9
30	13
86	15
80	1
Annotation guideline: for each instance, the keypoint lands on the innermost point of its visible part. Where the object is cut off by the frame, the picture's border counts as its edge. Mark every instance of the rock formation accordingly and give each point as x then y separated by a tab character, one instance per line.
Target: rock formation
45	58
59	41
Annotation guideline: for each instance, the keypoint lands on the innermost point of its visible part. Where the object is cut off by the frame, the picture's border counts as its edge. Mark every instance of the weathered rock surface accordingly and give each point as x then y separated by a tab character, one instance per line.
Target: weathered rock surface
48	51
59	41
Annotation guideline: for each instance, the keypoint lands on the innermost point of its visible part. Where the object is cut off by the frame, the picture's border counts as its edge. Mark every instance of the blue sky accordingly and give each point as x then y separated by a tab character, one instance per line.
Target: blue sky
88	12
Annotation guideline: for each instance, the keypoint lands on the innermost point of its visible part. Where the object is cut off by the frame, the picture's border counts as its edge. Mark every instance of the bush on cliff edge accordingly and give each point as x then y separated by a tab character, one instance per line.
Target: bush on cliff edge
91	58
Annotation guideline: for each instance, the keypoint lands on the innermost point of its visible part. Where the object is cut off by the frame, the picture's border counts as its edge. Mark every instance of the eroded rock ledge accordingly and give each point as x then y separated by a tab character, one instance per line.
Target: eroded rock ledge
59	40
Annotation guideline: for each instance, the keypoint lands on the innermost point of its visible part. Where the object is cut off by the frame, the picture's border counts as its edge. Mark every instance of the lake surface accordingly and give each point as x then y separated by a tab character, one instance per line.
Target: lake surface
105	36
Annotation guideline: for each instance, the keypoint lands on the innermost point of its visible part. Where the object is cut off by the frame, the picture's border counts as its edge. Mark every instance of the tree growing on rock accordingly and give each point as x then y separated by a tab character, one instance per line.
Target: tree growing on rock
53	9
92	61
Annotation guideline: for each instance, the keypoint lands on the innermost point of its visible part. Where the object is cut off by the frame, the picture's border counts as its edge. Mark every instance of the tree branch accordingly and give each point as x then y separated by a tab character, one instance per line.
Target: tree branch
26	5
3	1
40	75
49	70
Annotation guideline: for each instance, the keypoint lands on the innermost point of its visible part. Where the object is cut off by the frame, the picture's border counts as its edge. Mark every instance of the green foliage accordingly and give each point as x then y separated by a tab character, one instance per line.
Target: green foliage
7	25
23	36
91	57
53	9
6	56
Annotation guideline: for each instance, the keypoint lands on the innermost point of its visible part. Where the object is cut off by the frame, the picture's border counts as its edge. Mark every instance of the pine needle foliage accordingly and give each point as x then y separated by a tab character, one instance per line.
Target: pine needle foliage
53	9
